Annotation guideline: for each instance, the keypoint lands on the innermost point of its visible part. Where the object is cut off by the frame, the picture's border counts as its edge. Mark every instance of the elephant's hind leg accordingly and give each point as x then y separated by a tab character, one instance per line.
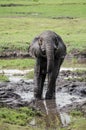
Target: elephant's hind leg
39	86
50	94
40	75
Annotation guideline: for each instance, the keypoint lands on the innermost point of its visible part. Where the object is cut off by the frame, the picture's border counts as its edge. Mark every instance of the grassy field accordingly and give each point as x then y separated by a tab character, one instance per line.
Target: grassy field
22	64
3	78
19	120
21	21
17	64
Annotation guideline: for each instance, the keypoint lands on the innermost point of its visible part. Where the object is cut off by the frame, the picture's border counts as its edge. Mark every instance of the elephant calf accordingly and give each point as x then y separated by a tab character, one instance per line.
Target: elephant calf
49	51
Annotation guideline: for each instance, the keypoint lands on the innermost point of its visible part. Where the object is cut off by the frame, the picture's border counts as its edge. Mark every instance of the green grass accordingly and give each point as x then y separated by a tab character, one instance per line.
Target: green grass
73	63
3	78
17	64
41	1
21	116
45	10
6	126
19	119
29	64
30	75
76	113
17	33
78	120
20	24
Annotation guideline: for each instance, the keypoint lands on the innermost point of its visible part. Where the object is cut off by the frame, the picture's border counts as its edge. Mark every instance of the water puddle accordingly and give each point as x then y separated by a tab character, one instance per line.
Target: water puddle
53	117
17	75
15	71
55	110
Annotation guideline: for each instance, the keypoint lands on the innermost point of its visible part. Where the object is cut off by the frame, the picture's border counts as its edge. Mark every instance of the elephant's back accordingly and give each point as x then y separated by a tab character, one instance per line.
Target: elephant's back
48	34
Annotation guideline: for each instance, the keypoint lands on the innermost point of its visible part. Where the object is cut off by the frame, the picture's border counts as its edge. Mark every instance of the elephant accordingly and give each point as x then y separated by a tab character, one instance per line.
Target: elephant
49	51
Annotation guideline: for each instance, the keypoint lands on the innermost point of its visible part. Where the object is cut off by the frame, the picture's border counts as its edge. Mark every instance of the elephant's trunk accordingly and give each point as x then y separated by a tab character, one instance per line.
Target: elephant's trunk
50	56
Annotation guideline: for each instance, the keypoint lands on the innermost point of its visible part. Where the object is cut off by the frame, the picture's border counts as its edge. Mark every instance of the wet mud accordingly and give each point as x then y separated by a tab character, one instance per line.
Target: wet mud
70	94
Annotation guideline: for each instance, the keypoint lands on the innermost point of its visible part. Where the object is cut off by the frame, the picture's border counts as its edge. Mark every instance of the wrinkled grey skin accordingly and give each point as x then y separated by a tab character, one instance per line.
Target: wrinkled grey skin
49	51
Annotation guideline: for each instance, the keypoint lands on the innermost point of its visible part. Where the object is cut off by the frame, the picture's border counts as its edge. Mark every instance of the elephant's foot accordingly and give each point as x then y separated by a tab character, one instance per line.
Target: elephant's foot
50	96
37	94
37	97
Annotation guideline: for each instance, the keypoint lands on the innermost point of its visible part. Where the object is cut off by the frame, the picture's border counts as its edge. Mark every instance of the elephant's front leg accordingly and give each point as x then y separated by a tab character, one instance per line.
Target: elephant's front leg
39	79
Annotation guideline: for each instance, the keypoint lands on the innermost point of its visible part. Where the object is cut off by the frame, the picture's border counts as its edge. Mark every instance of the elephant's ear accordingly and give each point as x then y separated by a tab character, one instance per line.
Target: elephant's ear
56	43
35	40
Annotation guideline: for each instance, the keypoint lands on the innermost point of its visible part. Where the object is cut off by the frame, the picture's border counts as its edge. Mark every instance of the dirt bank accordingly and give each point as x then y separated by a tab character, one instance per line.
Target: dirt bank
79	55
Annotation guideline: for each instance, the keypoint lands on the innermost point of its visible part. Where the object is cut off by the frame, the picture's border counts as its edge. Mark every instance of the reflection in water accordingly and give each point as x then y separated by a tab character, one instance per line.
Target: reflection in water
52	118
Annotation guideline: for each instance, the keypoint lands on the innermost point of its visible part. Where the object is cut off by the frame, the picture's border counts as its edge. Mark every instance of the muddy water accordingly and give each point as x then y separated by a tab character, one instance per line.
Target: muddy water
19	92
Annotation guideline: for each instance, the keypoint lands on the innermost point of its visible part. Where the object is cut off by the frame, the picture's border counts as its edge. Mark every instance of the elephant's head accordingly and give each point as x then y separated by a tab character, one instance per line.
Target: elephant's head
40	47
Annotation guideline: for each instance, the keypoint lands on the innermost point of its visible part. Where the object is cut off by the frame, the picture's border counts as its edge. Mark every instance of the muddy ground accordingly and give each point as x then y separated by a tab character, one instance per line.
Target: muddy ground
70	94
70	87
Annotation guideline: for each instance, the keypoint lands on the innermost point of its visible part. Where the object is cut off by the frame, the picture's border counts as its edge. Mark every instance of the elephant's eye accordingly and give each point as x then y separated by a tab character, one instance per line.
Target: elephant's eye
40	43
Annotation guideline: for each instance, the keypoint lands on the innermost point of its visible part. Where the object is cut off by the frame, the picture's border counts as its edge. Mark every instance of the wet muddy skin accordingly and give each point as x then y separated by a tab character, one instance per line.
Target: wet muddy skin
70	94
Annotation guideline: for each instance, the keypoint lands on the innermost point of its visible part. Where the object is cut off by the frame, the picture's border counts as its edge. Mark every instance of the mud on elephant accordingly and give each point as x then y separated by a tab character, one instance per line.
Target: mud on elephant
49	51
